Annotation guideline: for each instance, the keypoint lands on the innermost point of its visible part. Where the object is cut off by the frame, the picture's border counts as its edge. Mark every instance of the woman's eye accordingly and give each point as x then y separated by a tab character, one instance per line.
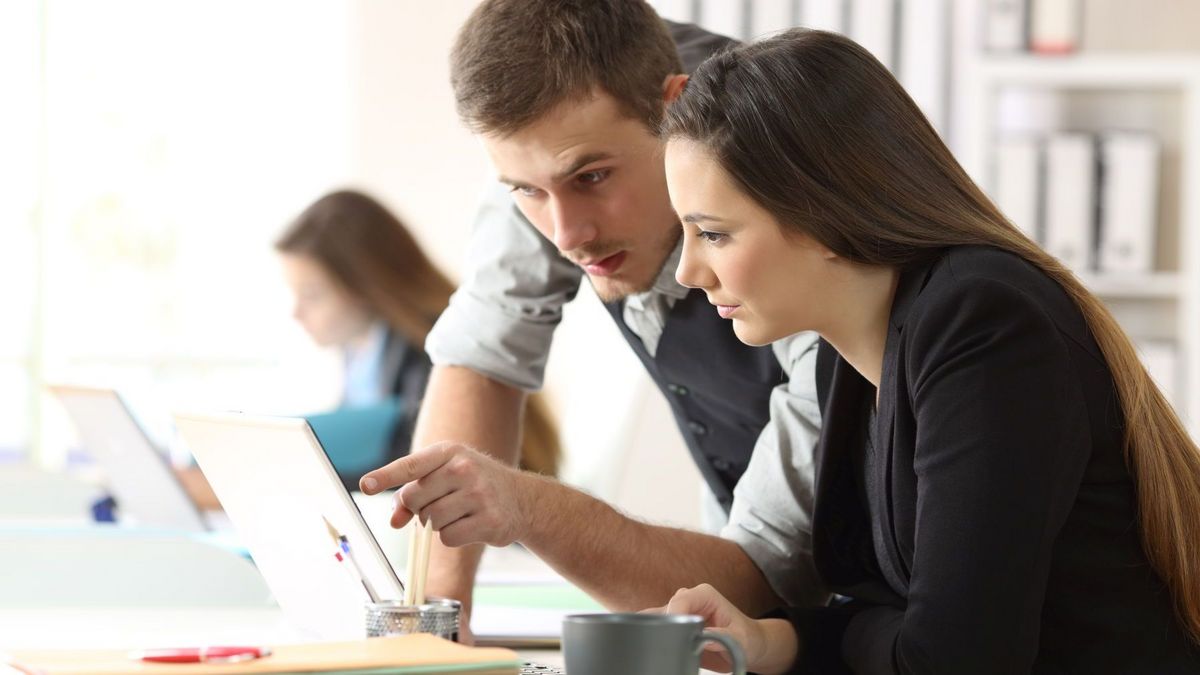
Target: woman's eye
711	237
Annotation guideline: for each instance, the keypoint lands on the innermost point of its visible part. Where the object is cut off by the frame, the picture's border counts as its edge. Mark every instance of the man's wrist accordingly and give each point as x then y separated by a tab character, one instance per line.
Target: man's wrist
452	572
530	492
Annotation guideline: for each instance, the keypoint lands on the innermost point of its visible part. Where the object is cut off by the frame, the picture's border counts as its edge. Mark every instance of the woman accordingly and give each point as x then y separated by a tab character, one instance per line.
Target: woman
363	284
1000	486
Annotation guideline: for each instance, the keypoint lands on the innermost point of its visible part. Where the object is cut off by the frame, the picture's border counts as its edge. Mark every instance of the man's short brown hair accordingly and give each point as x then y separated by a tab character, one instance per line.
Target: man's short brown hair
514	60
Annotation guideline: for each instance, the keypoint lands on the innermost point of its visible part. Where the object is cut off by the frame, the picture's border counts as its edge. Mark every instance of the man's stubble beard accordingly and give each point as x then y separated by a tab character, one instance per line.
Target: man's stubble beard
609	290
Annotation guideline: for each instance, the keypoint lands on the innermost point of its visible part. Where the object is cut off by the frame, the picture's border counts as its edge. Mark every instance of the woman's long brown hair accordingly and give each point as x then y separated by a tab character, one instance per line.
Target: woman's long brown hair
820	134
366	249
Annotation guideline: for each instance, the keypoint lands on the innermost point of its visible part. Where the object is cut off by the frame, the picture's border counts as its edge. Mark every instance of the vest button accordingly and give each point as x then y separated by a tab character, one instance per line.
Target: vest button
677	389
721	464
697	428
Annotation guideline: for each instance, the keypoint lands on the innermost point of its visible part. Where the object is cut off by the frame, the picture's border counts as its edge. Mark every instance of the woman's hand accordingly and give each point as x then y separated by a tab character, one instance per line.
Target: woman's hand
770	645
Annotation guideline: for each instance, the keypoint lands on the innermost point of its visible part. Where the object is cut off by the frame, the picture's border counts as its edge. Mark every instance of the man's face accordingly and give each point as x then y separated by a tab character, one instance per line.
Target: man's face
591	180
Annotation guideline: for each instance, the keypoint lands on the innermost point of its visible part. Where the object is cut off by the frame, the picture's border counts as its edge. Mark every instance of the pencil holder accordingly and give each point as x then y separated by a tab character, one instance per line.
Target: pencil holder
437	616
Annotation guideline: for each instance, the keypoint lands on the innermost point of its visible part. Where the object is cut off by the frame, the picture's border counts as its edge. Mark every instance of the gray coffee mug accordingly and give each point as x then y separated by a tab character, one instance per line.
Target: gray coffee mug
640	644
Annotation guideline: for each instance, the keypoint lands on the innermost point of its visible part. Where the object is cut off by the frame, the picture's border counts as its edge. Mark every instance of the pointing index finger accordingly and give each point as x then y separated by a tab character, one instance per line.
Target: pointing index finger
406	469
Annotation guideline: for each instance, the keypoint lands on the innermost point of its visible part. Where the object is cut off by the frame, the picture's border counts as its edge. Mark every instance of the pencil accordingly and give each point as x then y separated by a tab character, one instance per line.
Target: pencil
423	561
414	555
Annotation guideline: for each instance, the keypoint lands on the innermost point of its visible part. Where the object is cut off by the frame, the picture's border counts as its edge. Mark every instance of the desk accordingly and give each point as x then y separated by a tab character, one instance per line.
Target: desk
158	628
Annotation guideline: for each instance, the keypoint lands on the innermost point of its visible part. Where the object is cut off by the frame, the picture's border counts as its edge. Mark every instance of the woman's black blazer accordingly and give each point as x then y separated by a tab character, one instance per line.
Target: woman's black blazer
1008	516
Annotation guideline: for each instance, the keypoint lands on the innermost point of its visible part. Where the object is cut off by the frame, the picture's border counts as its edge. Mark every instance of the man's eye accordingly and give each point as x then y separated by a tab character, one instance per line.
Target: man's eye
525	191
593	177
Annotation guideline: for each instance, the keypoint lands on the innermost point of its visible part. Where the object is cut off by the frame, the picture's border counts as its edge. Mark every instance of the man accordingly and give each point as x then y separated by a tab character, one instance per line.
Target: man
566	97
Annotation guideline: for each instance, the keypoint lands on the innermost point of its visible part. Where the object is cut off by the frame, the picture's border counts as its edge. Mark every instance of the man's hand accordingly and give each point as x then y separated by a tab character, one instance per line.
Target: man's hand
468	496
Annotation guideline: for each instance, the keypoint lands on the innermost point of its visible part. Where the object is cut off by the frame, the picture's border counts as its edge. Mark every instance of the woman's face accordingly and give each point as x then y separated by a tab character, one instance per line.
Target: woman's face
326	310
769	285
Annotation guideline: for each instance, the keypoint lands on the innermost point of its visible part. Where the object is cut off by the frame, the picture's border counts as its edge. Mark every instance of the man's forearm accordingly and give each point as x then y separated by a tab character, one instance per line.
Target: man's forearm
463	406
629	565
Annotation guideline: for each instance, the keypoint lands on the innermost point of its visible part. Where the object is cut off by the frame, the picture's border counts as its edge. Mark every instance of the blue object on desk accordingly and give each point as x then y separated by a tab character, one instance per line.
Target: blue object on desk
104	509
357	439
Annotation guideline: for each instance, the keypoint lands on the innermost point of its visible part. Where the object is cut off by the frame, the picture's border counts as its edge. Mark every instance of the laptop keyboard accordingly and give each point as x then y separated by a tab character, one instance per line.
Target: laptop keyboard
535	669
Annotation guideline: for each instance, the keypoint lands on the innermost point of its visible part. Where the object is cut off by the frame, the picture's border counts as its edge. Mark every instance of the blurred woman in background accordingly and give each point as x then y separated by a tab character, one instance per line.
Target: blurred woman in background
363	285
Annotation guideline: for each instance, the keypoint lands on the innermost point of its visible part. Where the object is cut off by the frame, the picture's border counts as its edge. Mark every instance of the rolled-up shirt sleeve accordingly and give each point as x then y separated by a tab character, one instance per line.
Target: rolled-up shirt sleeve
501	320
771	516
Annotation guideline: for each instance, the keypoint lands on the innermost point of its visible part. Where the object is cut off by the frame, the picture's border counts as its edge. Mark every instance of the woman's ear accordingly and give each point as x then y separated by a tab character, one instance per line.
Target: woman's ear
805	240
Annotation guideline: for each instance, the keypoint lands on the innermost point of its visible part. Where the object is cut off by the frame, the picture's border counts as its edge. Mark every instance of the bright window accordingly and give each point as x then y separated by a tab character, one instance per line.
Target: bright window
174	141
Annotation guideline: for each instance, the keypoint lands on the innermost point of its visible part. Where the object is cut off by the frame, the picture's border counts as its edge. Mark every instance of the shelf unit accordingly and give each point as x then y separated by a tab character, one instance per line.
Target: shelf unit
1166	302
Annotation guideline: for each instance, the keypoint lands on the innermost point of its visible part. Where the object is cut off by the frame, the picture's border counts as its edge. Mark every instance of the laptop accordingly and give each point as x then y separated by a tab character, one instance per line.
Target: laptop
279	489
147	491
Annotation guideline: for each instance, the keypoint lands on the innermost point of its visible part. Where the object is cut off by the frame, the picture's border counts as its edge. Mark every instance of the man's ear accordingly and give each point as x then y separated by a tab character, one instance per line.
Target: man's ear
673	87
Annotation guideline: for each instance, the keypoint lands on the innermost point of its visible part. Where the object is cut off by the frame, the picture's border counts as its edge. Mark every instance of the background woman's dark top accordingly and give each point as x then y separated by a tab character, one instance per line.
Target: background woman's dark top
402	372
1006	536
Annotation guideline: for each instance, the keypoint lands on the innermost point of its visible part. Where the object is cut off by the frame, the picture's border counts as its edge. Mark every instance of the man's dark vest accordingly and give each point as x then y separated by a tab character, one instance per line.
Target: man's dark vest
717	386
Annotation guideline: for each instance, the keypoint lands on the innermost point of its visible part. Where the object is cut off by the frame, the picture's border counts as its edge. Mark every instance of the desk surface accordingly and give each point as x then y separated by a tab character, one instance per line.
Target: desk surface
506	572
158	628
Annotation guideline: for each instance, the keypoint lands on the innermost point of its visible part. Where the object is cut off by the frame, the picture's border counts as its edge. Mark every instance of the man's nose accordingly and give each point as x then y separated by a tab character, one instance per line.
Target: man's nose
573	225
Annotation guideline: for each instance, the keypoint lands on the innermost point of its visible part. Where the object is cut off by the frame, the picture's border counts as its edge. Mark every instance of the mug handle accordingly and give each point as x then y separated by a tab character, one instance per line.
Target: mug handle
730	645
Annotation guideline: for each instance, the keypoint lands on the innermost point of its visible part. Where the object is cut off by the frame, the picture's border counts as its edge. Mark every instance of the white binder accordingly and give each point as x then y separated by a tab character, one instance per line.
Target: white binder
1070	206
1129	202
1055	25
1161	359
827	15
872	25
675	10
924	43
1018	180
770	16
1005	25
724	17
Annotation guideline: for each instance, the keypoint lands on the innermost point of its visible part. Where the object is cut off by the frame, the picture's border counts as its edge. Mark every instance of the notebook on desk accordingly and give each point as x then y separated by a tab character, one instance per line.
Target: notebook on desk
402	655
526	615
